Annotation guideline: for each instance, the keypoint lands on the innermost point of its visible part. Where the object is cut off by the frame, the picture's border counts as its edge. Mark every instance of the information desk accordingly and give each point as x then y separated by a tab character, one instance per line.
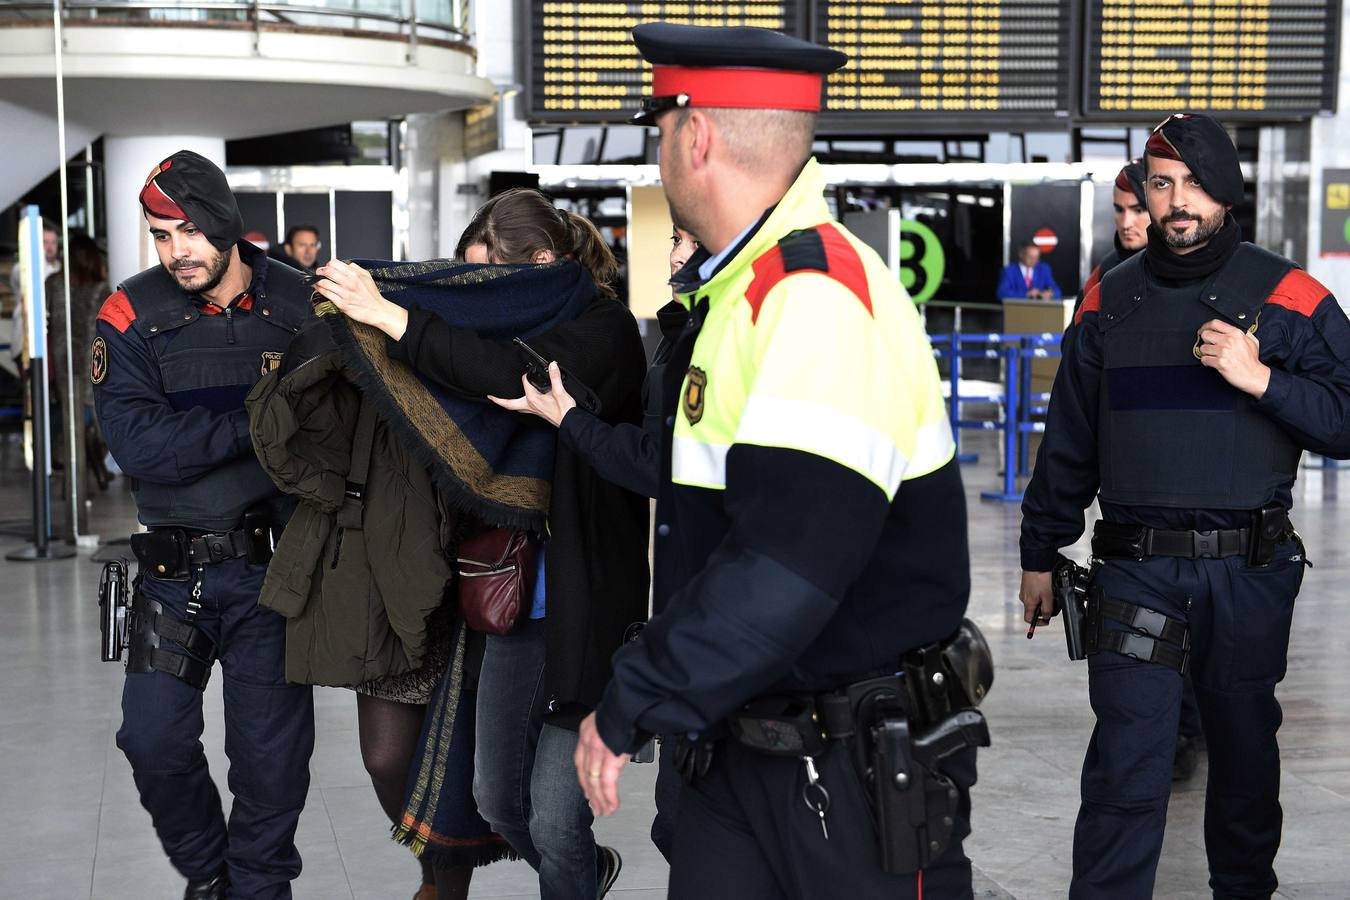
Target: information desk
1032	316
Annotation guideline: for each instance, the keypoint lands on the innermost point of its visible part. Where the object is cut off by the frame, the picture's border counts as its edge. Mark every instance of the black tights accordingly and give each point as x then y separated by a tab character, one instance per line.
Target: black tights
388	731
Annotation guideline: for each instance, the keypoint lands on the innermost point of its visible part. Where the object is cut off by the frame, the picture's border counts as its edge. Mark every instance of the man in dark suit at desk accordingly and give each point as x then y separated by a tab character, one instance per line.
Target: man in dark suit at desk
1028	277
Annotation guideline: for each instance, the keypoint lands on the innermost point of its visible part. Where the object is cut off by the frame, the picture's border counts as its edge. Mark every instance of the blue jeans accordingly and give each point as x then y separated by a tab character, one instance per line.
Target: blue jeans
269	735
524	780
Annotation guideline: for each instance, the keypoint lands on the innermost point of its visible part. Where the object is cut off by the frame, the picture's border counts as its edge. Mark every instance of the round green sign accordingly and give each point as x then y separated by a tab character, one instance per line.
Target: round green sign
922	260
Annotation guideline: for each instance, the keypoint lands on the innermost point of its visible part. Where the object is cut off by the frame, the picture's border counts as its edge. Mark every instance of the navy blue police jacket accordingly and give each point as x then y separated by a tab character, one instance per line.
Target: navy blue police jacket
170	373
1304	338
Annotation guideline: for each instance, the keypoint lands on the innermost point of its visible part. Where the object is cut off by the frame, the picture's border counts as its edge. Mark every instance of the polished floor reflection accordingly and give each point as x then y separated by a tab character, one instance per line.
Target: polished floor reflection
70	825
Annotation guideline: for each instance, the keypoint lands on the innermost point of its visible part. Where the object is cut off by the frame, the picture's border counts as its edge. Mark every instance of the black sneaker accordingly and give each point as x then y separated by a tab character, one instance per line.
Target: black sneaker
608	863
1186	759
210	889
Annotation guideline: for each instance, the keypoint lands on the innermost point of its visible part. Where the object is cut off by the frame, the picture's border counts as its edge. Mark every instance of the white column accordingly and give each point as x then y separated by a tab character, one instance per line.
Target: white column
127	162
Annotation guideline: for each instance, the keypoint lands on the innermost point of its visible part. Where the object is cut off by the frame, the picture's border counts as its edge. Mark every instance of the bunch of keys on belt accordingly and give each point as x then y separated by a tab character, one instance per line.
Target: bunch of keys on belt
814	795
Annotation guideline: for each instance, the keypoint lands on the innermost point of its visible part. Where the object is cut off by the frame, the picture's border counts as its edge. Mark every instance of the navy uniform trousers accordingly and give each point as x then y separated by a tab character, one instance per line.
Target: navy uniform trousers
744	833
1239	620
269	735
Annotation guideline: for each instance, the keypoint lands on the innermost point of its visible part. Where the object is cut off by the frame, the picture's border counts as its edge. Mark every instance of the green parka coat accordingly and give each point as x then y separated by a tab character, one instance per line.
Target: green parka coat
359	568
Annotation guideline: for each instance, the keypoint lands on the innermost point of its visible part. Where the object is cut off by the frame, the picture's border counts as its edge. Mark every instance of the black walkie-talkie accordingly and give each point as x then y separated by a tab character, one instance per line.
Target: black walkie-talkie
536	370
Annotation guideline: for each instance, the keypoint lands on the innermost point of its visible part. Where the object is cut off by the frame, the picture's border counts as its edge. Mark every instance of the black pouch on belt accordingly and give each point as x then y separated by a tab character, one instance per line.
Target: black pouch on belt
1270	528
784	725
162	553
258	533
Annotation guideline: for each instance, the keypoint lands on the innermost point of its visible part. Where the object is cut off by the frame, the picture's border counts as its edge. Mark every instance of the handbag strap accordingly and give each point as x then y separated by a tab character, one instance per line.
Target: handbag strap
352	512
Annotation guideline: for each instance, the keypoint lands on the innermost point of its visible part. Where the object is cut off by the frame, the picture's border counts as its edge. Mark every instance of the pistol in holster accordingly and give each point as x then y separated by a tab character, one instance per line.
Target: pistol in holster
1070	583
906	727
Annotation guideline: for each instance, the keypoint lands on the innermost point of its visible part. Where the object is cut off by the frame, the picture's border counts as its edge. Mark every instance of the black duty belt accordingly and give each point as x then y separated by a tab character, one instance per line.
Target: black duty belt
1111	540
171	552
204	549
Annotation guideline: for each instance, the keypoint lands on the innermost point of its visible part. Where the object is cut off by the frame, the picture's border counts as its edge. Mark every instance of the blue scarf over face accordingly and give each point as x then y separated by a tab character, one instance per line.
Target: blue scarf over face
495	464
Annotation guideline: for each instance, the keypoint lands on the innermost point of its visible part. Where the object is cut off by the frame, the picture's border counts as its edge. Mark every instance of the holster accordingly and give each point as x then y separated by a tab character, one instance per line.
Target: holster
1070	583
1149	636
149	624
914	804
1270	528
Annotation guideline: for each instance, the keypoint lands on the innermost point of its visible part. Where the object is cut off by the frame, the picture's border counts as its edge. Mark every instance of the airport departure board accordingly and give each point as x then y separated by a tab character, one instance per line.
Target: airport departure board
991	58
938	62
584	67
1242	58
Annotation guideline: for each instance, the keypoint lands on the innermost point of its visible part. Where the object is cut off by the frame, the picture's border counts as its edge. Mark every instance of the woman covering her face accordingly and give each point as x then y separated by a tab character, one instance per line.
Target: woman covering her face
432	342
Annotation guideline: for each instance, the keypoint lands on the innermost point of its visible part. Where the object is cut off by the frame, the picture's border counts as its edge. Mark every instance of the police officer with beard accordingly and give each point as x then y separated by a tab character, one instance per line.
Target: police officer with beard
177	349
1193	377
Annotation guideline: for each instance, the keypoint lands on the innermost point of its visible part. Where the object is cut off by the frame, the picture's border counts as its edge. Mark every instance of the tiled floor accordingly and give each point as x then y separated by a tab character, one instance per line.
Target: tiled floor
70	825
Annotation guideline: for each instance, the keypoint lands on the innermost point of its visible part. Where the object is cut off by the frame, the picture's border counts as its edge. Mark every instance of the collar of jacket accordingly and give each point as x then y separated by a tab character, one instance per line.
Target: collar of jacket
803	206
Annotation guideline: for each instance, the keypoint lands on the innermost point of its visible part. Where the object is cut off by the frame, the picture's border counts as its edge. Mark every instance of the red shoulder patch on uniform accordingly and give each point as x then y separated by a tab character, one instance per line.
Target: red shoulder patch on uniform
1094	279
117	312
844	266
1298	291
1092	302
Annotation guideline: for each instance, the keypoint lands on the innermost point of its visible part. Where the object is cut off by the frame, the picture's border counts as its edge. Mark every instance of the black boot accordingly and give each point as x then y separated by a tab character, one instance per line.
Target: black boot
209	889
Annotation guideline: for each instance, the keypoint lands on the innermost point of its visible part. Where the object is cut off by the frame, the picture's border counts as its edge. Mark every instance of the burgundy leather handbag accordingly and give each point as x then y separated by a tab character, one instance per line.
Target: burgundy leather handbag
496	579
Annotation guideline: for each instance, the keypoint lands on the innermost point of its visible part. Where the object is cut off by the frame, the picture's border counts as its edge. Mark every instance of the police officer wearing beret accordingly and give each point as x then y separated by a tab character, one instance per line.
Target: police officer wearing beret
811	524
1129	210
177	349
1193	377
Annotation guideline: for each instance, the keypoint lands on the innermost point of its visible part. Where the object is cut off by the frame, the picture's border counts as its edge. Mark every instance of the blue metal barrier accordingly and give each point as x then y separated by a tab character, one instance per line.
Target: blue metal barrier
1019	403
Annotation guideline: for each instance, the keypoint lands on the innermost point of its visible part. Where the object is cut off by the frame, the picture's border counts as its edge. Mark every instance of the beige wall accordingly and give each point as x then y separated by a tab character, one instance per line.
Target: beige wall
648	251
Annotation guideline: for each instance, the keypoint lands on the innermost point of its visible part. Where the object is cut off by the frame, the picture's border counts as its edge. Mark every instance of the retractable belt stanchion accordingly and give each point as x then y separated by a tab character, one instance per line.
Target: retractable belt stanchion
1019	404
1012	383
30	259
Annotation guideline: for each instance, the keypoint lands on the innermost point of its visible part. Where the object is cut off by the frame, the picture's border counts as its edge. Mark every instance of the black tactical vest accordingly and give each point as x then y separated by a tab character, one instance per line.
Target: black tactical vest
1172	432
217	358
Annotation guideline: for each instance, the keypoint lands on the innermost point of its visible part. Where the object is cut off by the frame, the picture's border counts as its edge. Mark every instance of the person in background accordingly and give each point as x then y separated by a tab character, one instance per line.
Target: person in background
303	245
1028	277
51	265
88	288
1130	212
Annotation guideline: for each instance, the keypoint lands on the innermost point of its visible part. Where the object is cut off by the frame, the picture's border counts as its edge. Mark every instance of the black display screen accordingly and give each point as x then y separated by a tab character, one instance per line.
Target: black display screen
987	58
584	67
1246	58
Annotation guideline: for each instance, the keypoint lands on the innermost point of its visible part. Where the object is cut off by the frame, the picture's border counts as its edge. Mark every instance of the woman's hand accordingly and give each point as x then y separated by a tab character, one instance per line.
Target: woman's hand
353	292
551	406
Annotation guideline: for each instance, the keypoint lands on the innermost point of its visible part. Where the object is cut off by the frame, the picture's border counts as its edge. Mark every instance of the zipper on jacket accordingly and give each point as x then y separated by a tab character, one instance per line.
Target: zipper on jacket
337	548
229	324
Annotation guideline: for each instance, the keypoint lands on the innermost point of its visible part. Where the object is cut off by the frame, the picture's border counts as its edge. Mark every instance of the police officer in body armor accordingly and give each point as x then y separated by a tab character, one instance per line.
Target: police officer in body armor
1193	377
811	526
1130	211
177	348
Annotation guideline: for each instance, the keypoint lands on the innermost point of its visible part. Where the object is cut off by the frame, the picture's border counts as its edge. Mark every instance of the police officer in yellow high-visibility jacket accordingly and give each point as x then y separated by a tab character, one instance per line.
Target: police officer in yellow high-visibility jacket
811	524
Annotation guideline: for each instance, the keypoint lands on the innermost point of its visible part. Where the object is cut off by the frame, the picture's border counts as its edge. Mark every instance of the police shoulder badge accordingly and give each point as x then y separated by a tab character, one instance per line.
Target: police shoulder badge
271	361
694	391
99	370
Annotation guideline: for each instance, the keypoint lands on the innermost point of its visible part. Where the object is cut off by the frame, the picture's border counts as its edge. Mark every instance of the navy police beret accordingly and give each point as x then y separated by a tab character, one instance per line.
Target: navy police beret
1204	146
